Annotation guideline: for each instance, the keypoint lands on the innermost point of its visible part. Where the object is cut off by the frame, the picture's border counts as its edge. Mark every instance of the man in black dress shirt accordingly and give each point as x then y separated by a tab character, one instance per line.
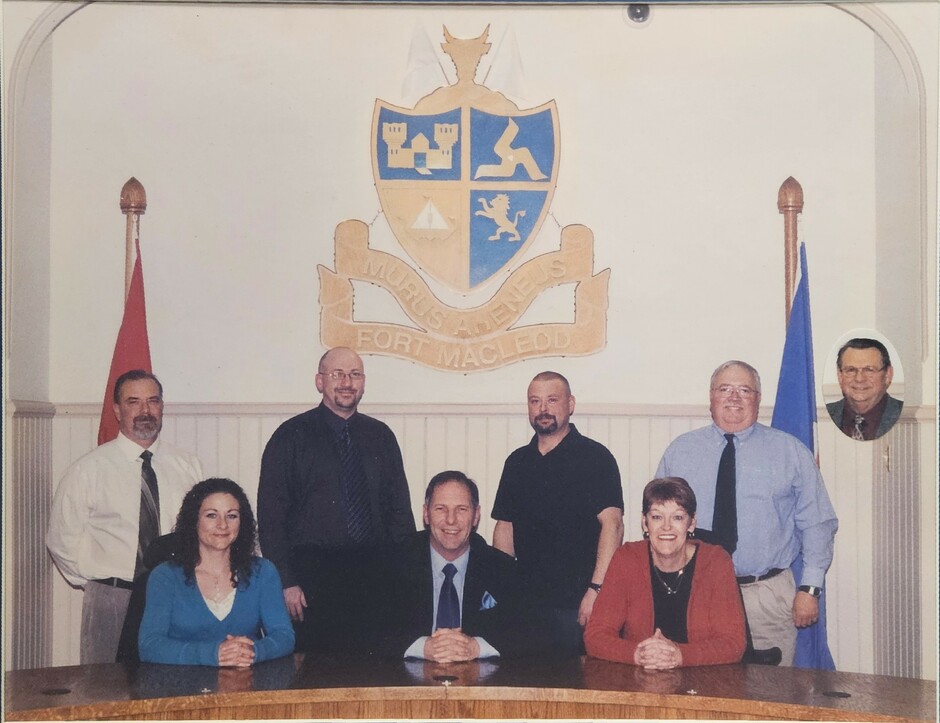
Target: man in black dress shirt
332	491
559	511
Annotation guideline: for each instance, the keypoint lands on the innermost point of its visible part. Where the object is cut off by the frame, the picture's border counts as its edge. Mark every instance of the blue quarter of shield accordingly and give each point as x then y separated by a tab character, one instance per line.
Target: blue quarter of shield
500	222
418	147
512	148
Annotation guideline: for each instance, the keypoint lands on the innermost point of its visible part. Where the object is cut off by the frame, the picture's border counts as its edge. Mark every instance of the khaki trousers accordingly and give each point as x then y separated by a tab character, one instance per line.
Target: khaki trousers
769	608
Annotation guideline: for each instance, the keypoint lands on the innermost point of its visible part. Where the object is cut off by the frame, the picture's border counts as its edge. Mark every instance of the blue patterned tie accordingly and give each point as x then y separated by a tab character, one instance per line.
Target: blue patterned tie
448	606
355	490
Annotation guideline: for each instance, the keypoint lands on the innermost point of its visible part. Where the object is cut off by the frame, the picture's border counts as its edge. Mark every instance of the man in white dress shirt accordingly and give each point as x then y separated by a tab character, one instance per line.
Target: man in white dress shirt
94	526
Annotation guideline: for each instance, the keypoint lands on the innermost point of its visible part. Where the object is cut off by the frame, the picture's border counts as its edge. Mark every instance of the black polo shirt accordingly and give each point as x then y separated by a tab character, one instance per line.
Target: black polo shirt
552	502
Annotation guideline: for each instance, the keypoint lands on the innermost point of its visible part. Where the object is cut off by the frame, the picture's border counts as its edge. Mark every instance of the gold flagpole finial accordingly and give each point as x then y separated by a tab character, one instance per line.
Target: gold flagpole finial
790	204
133	205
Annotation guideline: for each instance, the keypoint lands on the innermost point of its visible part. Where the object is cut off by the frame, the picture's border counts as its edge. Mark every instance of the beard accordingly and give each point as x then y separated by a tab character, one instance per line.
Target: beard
146	427
341	401
549	428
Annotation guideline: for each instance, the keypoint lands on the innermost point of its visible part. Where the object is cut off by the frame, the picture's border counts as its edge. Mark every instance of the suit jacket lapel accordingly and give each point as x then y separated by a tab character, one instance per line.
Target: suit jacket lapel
473	589
424	586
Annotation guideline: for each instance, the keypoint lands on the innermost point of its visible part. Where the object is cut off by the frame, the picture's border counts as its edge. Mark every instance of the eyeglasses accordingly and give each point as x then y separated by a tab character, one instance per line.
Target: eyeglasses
338	375
864	371
726	390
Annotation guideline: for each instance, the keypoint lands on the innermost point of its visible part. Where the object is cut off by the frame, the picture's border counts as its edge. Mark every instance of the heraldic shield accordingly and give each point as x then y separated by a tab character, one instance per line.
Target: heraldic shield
464	190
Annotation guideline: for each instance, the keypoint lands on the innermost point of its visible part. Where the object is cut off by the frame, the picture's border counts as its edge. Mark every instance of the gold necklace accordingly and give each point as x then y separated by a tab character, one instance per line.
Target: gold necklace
219	591
679	577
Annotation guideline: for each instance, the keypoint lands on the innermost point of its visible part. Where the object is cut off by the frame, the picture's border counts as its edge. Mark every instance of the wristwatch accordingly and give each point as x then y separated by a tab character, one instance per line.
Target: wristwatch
594	586
811	589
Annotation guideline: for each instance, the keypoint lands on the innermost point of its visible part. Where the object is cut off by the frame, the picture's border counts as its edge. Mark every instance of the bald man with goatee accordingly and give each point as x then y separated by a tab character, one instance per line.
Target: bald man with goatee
332	493
559	512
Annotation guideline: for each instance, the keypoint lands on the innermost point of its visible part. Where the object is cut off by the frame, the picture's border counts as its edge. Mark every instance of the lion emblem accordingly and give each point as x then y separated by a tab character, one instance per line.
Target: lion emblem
498	212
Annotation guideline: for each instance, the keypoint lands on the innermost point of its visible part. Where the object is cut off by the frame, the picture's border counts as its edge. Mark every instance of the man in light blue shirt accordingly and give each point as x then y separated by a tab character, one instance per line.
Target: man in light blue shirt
783	511
451	594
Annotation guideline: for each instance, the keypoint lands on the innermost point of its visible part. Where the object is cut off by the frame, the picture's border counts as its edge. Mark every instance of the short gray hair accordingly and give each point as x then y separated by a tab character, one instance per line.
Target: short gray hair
736	363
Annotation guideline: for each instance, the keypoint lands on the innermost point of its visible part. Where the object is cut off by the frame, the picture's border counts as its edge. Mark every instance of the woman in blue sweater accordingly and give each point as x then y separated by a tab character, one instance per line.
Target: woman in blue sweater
215	603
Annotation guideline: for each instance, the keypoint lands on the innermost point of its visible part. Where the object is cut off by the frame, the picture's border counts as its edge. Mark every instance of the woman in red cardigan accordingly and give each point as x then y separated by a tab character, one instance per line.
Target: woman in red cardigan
670	600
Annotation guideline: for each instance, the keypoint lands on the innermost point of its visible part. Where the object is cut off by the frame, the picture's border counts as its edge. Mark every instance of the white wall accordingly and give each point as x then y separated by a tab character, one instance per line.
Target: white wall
249	127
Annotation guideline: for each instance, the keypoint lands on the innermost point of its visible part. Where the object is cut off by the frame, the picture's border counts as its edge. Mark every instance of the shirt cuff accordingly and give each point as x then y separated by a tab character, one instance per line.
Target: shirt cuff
416	649
812	576
486	650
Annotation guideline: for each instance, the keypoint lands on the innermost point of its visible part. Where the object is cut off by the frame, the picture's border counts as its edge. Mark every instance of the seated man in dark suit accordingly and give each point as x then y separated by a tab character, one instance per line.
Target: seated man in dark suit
452	594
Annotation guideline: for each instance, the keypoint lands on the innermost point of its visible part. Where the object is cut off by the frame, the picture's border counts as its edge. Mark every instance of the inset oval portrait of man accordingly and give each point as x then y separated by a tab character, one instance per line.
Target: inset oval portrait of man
863	384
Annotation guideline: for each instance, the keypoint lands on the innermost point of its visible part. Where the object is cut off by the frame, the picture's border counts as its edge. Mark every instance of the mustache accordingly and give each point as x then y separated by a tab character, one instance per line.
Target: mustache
141	418
546	417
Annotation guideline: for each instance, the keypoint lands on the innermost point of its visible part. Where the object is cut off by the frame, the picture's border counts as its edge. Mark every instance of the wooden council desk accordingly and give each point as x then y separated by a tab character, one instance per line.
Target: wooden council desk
330	688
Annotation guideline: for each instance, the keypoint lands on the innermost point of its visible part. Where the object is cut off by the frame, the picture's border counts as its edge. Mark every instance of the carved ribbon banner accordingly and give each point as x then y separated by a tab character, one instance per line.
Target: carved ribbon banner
464	340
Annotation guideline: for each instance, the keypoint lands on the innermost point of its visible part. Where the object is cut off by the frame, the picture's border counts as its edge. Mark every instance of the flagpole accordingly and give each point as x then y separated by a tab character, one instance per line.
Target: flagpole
790	204
133	205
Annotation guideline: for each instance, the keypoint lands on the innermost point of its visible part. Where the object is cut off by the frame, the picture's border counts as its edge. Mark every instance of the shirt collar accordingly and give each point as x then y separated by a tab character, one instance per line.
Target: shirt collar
872	418
572	433
438	562
334	421
873	413
131	449
741	436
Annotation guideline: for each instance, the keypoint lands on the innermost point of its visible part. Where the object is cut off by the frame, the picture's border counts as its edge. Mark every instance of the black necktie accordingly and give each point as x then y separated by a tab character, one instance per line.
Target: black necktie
149	529
725	519
355	490
448	606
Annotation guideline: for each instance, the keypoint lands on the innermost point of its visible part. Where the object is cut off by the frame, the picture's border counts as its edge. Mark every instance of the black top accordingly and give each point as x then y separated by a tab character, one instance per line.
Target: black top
552	502
300	494
671	592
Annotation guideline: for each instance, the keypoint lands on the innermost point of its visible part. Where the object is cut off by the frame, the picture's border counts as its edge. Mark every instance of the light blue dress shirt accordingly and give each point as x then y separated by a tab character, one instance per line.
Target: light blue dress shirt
781	498
416	649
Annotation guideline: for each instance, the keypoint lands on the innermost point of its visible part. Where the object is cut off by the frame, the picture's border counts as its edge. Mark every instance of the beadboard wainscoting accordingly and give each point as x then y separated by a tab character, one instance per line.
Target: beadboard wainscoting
886	629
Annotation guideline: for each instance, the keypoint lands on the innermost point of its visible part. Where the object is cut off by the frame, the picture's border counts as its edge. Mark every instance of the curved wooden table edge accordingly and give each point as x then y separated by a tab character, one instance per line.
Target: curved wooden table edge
688	703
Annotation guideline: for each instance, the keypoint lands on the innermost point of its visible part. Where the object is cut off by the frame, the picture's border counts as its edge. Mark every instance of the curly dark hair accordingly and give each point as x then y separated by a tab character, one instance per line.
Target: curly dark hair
187	523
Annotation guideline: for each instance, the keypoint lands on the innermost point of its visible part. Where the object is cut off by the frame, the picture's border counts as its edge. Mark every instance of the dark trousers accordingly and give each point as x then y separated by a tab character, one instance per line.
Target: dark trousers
558	631
344	598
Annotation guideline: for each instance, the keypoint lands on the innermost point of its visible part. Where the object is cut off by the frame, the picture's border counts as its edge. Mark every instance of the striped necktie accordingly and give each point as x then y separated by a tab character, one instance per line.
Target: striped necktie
149	529
355	489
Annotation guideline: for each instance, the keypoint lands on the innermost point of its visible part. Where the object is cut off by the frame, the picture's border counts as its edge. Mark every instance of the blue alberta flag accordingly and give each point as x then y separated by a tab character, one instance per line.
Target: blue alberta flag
795	412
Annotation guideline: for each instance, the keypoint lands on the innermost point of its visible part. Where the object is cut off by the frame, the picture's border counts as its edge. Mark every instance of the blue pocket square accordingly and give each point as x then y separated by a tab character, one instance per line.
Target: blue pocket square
488	602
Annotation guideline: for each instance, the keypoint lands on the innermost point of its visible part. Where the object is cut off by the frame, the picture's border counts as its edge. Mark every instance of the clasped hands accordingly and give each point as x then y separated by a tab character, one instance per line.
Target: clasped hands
450	645
658	653
236	651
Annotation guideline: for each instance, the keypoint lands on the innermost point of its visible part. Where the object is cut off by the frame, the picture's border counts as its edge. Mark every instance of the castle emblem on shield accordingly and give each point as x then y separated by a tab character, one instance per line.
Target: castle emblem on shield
465	180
